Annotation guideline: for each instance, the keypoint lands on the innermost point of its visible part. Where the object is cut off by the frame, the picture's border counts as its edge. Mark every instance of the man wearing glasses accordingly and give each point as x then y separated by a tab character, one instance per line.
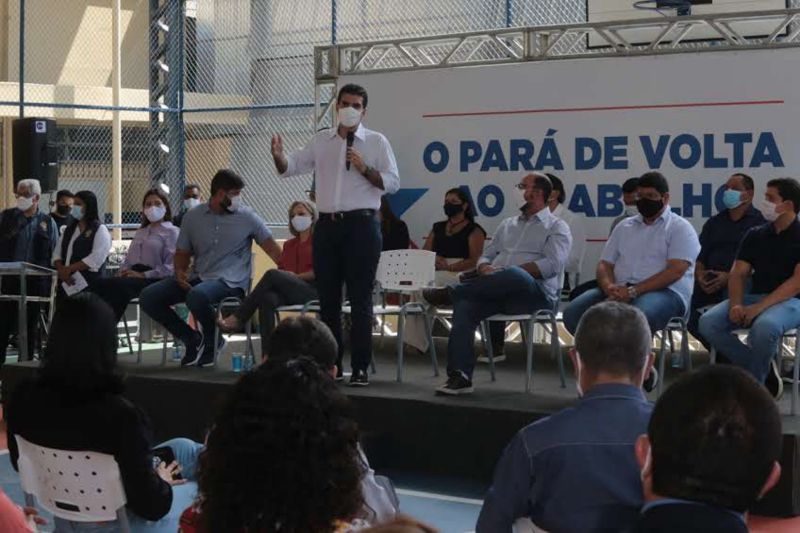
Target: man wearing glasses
518	273
647	262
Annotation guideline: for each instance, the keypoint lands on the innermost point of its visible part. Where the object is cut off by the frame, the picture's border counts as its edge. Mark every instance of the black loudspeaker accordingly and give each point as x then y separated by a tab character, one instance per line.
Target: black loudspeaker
35	152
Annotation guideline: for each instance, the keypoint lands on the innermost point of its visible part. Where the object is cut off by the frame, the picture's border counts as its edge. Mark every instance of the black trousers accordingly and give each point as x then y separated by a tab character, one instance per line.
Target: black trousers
118	292
346	251
9	313
276	288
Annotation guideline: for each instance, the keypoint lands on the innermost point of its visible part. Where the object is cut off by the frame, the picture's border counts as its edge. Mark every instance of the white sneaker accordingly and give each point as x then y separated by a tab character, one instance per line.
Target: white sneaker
499	358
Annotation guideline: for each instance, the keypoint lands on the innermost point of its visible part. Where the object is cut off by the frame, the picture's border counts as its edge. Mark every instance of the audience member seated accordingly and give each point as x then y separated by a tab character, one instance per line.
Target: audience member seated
218	236
84	245
393	230
770	254
30	236
15	519
290	284
648	261
307	337
282	456
711	451
629	210
150	255
192	197
62	216
76	403
457	241
628	201
719	241
575	471
518	273
577	228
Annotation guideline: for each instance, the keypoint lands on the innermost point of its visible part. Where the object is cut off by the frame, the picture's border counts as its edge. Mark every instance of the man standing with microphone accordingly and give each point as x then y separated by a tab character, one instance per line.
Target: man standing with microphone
354	167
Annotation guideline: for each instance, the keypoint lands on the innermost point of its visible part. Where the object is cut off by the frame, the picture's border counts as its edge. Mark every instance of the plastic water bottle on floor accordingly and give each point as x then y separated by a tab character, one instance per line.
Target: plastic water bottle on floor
177	351
676	359
248	362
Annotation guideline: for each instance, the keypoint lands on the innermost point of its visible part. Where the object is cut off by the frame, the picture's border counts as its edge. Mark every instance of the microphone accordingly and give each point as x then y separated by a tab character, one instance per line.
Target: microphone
350	137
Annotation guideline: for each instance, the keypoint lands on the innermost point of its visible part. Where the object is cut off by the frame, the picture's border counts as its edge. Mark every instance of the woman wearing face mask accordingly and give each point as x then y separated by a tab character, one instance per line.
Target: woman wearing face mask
292	283
84	245
150	255
457	241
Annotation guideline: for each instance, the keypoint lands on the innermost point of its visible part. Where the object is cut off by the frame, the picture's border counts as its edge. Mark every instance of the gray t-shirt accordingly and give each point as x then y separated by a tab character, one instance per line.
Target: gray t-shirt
221	243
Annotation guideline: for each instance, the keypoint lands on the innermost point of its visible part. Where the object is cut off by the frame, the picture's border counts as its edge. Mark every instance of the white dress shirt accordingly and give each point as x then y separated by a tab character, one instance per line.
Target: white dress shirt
577	227
339	189
101	246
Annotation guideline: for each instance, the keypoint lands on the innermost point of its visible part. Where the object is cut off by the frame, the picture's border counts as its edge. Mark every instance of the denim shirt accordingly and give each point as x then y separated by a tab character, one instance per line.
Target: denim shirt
575	470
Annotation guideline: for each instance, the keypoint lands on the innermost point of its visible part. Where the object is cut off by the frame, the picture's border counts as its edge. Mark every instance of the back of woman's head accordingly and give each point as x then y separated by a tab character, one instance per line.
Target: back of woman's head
282	455
81	353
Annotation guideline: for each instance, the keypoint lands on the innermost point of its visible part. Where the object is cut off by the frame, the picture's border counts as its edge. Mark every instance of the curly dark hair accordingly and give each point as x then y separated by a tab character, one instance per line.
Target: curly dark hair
282	455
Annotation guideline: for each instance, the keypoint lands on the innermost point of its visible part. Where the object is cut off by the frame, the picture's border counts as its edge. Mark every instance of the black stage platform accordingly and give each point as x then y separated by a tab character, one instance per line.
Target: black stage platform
405	426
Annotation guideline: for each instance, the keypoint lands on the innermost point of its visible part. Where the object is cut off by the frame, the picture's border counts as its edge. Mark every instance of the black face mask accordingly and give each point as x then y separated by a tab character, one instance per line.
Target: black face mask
452	210
649	208
62	210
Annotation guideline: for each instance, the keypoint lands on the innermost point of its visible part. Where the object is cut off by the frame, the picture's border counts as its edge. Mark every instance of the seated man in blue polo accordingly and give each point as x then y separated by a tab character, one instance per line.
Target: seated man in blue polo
770	254
518	273
719	242
576	470
219	238
648	261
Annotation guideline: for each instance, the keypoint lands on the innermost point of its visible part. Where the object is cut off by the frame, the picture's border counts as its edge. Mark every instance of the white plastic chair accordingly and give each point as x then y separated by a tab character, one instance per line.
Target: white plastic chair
406	272
80	486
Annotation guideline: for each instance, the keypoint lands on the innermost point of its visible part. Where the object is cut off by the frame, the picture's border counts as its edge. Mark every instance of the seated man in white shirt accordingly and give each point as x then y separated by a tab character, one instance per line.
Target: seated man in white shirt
648	261
518	273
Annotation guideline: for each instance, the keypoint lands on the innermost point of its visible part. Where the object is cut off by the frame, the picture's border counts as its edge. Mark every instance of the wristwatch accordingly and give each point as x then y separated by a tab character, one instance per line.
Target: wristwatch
632	293
367	171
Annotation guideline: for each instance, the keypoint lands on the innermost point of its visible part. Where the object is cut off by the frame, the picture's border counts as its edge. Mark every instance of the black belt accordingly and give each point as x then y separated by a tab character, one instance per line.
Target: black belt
341	215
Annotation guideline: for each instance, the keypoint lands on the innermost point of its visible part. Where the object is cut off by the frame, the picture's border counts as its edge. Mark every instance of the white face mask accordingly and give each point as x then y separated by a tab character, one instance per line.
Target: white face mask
190	203
155	213
301	222
23	203
631	211
768	210
349	117
236	203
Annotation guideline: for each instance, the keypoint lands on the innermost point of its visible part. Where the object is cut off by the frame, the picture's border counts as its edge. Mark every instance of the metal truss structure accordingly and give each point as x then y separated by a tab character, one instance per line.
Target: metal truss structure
653	36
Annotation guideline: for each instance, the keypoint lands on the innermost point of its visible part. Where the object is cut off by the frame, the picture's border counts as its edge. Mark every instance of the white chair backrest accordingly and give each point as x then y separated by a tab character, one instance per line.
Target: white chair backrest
406	270
80	486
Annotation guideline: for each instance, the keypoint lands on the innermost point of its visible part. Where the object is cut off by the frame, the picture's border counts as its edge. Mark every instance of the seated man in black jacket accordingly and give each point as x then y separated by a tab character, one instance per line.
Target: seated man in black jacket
711	451
76	403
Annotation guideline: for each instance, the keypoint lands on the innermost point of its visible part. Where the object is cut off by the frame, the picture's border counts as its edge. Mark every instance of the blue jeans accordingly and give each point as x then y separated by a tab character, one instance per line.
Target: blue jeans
157	301
186	453
763	338
658	306
347	252
510	291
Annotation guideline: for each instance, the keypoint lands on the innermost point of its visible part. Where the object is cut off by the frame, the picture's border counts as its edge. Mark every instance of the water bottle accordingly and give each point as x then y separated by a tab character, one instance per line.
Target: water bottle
248	362
177	354
676	359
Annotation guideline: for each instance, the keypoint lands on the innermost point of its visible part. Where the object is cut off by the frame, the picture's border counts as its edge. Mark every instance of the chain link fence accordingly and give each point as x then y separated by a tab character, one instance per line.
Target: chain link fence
224	76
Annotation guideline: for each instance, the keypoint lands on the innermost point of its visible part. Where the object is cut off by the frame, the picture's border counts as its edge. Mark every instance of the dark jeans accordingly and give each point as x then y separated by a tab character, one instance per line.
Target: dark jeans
346	252
276	288
157	301
510	290
9	317
701	299
118	292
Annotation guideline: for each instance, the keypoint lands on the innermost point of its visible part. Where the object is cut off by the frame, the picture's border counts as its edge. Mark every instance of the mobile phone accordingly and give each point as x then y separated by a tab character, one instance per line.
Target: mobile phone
165	455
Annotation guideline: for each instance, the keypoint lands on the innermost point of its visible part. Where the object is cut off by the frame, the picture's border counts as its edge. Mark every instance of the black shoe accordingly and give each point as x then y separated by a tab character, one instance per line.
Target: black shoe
339	374
193	352
437	297
774	383
457	383
207	359
651	382
359	378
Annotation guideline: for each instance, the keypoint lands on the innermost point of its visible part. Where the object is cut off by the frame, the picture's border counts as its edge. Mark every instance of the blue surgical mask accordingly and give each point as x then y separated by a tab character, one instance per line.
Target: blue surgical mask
76	212
732	199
